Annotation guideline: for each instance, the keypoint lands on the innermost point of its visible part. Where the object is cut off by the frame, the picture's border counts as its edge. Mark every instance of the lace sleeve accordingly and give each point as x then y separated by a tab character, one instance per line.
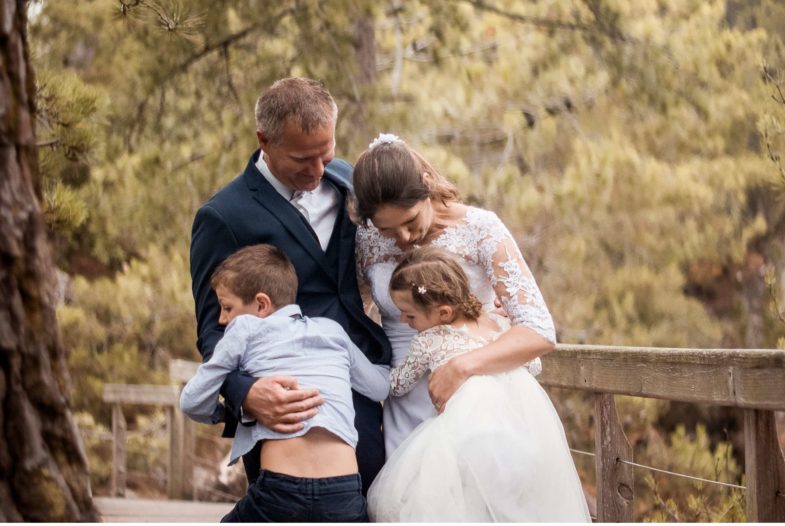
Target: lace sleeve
371	247
513	282
416	364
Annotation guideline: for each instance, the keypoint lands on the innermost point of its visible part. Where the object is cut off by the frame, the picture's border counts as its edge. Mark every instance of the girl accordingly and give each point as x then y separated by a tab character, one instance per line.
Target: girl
497	452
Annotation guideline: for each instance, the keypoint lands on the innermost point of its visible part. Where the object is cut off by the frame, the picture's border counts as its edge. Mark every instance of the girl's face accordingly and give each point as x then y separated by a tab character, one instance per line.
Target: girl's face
417	317
407	226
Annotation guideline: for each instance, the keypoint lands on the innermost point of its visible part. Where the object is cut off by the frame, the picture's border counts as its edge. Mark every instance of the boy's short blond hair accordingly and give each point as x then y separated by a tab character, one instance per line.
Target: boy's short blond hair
258	268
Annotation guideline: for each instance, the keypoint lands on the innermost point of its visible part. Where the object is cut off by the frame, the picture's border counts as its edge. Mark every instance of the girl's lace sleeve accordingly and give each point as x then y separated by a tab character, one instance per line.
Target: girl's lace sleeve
416	364
513	281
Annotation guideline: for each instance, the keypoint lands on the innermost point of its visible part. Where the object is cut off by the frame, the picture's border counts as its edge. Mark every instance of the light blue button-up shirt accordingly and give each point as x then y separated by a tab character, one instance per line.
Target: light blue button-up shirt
317	351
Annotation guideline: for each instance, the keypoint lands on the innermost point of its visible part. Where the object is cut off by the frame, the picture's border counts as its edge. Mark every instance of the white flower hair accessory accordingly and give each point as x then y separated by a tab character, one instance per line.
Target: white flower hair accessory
421	289
384	138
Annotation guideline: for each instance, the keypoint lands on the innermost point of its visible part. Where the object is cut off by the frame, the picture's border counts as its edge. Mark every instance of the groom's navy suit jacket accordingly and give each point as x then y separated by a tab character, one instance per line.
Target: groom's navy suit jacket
249	211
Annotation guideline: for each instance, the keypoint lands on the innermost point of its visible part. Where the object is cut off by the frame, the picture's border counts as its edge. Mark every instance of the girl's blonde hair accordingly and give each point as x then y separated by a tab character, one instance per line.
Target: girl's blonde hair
392	173
435	277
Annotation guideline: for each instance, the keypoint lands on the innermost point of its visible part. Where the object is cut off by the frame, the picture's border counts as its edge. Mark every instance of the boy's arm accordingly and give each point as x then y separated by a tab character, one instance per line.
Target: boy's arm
369	379
212	241
199	398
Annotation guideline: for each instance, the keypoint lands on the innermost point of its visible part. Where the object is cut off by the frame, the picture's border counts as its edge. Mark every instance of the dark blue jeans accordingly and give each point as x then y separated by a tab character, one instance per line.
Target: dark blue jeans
275	497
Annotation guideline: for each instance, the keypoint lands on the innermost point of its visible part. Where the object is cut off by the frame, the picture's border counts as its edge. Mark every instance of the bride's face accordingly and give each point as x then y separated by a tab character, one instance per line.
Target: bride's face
407	226
415	316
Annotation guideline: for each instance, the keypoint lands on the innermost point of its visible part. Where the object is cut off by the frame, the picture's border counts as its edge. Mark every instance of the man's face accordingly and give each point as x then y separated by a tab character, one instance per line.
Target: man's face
298	159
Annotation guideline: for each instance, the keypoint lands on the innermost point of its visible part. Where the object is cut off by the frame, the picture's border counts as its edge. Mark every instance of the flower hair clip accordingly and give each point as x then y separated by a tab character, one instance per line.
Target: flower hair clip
421	289
384	138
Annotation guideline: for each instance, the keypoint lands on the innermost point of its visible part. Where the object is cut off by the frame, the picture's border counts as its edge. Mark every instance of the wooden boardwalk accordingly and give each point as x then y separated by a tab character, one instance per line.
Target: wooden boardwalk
113	509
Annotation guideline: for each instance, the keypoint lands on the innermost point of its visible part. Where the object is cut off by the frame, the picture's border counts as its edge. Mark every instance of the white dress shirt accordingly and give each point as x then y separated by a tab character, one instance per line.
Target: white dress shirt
319	206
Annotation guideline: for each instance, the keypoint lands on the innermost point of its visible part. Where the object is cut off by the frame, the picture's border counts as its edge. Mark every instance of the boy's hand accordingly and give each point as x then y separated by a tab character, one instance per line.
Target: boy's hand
277	403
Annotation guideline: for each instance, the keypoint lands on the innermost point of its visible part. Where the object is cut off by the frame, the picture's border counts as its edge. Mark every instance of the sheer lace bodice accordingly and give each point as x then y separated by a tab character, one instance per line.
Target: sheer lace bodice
495	268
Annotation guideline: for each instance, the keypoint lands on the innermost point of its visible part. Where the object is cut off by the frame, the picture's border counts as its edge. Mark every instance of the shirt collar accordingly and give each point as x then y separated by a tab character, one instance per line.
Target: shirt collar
285	192
288	310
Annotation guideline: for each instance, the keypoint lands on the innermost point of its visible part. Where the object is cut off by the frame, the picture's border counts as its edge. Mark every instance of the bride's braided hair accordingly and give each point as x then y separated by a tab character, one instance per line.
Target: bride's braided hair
435	277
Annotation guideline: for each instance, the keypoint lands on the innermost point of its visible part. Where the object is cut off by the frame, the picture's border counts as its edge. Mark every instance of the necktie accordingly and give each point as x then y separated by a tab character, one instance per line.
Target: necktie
298	201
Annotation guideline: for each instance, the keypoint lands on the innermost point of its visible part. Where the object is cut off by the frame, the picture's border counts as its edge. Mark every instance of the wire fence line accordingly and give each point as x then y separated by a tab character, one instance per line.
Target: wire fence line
665	471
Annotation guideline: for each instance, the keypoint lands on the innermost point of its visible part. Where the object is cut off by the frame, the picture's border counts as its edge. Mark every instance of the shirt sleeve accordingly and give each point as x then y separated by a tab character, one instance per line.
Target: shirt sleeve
199	398
369	379
513	282
417	363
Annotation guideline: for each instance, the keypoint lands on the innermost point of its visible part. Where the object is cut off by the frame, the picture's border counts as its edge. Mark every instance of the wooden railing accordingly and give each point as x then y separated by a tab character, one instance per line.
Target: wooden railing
180	429
751	379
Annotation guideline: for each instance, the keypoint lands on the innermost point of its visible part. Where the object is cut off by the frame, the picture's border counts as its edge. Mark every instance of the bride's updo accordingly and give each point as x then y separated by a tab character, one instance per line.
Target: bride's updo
435	277
389	172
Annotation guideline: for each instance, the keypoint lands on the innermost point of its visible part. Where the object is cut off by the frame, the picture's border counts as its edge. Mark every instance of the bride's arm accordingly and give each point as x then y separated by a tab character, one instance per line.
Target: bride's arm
532	333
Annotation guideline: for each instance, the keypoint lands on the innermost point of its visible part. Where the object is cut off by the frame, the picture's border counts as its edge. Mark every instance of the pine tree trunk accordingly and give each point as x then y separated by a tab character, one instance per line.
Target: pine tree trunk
43	469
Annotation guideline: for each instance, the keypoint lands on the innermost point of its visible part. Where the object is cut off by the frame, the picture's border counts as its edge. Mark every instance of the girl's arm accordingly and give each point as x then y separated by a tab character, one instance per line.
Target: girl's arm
532	333
418	362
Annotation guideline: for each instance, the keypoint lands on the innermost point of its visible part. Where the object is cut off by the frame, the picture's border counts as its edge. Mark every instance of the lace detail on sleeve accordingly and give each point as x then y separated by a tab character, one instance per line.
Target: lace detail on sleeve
416	364
371	247
513	281
430	350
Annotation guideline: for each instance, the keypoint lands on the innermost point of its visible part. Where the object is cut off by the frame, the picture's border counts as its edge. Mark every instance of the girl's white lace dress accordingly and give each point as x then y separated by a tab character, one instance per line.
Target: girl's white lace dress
498	451
496	454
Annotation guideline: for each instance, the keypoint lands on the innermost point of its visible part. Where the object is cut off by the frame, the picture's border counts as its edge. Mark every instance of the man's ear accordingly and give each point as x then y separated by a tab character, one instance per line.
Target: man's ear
262	138
264	305
446	313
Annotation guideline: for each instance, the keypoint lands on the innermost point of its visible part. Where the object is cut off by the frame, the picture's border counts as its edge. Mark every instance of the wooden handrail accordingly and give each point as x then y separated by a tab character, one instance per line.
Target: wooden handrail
747	378
178	431
752	379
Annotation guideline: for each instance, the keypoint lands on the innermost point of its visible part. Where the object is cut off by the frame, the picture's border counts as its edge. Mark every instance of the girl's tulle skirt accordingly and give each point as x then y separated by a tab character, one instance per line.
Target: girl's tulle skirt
496	454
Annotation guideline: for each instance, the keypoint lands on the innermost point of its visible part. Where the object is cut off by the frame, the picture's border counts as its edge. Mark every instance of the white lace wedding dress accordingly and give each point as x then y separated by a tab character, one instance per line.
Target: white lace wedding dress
498	452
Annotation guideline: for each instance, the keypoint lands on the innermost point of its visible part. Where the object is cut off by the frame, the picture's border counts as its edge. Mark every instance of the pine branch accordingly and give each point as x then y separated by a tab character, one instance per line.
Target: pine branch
545	23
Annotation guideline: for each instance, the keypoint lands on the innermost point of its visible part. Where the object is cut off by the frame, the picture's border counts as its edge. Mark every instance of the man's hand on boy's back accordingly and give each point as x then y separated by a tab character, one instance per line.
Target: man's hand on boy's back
280	405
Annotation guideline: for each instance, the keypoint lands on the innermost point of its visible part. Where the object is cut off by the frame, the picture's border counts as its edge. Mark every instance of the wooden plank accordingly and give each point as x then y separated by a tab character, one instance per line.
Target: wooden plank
765	468
749	378
148	510
176	465
118	451
182	370
142	394
615	488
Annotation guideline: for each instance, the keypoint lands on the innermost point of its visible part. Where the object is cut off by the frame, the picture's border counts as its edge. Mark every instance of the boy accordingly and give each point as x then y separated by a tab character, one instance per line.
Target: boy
310	475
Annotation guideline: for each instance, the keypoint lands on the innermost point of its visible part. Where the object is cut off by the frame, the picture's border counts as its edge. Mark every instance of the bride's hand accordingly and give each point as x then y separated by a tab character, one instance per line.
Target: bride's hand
444	381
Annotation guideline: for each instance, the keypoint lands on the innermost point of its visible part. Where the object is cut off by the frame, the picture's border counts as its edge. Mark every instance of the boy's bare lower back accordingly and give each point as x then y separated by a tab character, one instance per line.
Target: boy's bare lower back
316	454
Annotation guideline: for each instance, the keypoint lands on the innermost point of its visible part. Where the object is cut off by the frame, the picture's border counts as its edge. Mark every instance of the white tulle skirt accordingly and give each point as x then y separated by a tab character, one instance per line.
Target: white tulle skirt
496	454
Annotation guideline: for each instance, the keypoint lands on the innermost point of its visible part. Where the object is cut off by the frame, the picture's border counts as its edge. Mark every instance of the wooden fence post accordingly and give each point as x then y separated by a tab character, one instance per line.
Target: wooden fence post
174	421
118	451
765	468
615	489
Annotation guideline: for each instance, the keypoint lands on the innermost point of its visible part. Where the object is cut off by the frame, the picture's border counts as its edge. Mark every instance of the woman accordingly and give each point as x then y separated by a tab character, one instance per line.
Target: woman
403	202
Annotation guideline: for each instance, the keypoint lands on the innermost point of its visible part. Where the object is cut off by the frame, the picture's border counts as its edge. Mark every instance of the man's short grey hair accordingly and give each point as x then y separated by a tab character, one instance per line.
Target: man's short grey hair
303	101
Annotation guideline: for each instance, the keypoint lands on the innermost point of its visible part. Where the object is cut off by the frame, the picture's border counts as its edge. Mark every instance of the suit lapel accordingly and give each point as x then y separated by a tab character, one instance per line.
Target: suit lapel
264	194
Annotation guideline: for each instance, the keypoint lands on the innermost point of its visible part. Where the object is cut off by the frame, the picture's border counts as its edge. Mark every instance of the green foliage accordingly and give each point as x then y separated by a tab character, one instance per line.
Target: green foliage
684	500
124	329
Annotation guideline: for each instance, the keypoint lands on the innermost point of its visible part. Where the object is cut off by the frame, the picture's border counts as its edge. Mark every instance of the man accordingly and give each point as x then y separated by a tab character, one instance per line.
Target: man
292	194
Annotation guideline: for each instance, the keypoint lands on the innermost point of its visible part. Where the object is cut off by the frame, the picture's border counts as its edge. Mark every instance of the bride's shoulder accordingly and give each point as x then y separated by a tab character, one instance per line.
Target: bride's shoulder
484	221
372	247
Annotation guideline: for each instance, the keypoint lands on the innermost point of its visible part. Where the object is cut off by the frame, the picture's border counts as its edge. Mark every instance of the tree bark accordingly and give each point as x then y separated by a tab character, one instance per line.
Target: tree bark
43	468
